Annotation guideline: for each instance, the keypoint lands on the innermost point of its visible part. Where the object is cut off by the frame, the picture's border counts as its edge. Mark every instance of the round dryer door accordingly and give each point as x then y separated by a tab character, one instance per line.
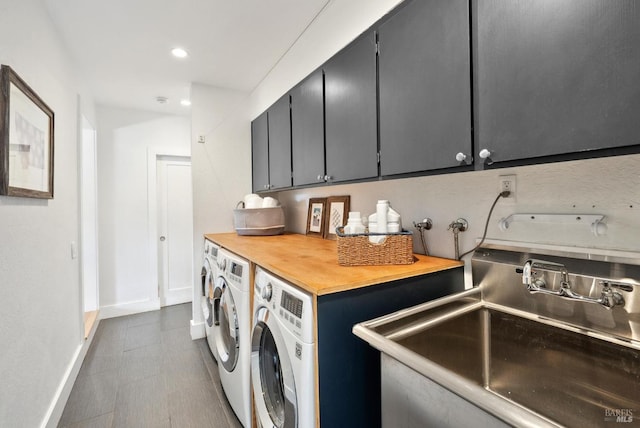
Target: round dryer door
207	279
225	319
212	295
271	374
204	275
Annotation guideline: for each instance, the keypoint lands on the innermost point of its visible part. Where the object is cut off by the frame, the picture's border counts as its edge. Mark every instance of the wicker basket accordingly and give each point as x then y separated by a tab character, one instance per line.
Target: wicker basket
357	250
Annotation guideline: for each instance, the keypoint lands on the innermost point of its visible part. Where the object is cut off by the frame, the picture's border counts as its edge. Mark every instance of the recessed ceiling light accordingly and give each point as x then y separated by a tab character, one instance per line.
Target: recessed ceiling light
179	53
185	103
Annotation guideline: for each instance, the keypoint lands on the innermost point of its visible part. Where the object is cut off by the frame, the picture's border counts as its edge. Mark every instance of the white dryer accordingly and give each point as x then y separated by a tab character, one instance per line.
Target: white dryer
232	330
282	354
208	276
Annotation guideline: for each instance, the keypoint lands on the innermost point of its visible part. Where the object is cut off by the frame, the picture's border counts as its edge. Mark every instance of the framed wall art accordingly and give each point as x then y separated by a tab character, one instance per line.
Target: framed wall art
26	139
316	217
337	212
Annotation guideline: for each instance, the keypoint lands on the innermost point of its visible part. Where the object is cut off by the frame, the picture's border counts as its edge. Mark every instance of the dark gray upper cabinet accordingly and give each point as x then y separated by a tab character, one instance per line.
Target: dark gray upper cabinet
307	130
271	147
260	152
280	144
351	111
425	86
556	77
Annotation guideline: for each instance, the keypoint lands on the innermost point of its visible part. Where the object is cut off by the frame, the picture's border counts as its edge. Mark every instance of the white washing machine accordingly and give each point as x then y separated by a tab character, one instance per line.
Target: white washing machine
282	354
208	276
232	330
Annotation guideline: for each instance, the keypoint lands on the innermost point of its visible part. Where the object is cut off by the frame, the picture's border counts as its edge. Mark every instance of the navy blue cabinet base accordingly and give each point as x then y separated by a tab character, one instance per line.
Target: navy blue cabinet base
348	368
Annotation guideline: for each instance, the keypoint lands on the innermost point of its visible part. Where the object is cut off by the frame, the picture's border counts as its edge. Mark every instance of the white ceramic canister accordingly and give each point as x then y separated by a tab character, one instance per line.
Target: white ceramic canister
394	224
382	210
373	223
354	224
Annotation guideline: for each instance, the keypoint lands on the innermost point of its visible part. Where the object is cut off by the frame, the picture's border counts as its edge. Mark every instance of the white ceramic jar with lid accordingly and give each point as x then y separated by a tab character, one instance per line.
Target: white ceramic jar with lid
354	224
382	210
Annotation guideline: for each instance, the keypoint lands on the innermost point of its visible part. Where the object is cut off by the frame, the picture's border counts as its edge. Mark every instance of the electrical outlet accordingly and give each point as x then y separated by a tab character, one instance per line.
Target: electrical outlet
507	183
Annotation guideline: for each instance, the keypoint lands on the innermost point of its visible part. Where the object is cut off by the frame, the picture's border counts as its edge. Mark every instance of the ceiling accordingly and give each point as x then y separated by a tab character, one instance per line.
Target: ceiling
122	47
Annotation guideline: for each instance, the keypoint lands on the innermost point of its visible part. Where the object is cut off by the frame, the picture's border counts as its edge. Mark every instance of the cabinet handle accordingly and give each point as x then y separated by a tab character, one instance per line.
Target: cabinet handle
320	177
327	178
484	153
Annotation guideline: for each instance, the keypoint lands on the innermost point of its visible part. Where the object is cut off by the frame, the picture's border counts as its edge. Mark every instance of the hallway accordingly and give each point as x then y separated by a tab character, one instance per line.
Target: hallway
144	370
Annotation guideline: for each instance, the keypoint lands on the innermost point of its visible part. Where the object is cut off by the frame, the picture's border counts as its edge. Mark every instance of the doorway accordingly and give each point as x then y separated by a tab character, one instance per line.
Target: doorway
175	229
89	225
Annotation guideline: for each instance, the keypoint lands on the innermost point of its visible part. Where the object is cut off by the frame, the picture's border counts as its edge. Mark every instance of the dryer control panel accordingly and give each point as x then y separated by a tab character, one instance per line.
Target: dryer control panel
290	305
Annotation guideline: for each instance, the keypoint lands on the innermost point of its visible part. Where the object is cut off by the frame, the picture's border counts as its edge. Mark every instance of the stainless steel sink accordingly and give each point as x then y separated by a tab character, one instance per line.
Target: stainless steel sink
524	367
568	377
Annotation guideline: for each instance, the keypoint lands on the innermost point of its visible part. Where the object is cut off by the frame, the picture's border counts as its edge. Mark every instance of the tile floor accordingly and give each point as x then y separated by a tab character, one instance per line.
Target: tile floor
143	371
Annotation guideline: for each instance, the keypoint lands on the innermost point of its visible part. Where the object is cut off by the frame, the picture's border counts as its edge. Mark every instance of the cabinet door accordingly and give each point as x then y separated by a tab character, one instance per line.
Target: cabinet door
425	86
280	144
350	111
556	77
260	153
307	130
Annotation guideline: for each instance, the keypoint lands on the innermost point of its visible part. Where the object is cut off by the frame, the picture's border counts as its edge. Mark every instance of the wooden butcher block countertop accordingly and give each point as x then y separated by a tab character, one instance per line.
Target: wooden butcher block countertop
312	263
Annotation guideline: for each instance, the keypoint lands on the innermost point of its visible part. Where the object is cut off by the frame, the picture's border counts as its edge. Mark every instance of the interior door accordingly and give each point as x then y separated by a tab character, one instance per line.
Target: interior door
175	221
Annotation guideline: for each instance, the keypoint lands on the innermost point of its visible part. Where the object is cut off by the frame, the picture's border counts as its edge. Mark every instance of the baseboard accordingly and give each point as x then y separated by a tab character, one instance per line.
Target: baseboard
129	308
54	413
182	295
197	330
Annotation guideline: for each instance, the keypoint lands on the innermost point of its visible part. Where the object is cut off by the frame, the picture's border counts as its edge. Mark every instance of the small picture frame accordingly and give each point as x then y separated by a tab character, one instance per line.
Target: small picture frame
26	139
315	217
336	216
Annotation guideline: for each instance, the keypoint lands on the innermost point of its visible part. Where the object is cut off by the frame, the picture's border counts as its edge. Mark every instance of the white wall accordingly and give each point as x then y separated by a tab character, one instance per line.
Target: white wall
338	24
221	167
608	186
124	139
41	330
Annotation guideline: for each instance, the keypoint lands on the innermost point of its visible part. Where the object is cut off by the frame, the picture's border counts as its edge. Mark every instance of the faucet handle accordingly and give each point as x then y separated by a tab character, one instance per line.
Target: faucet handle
526	273
610	298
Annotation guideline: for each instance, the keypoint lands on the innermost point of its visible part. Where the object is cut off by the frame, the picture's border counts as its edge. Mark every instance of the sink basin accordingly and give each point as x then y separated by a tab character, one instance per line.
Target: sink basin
568	377
522	369
501	355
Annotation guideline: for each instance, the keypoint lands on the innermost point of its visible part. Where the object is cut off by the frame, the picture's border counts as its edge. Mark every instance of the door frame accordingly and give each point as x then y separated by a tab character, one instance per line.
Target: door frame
89	136
153	153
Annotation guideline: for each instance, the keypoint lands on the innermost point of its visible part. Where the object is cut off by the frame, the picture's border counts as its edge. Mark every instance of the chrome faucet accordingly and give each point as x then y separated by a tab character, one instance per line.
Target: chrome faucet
538	284
609	297
457	226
